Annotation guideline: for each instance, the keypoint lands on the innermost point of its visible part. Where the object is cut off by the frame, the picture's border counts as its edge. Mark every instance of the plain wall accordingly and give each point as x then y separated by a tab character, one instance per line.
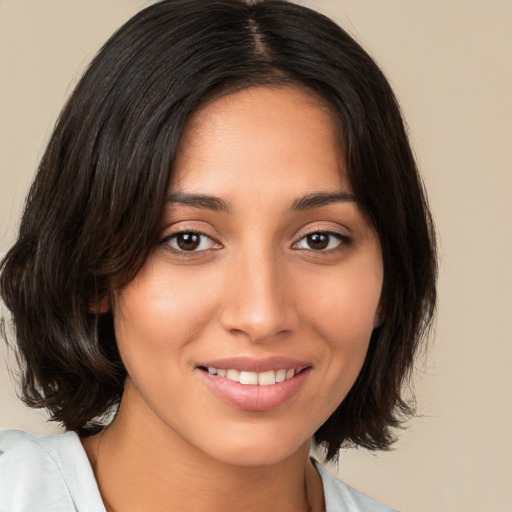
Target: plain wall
450	62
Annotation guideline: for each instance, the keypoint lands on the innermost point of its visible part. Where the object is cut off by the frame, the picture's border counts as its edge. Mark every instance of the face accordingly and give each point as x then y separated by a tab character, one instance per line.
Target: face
250	321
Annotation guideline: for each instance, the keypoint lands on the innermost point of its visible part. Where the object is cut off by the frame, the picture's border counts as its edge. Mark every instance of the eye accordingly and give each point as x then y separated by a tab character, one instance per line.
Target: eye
322	241
189	241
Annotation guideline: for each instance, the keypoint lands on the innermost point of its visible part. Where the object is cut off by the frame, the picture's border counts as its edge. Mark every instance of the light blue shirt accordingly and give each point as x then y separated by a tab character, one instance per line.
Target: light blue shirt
53	474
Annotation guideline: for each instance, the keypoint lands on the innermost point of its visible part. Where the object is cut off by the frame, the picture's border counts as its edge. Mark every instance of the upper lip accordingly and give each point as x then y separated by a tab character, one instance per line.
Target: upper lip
255	364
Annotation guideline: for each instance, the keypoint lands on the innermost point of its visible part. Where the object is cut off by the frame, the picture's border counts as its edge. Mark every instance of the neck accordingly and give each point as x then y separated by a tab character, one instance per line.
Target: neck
140	464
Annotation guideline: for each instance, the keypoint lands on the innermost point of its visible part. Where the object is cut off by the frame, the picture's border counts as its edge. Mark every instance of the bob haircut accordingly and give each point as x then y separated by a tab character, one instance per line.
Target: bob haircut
93	210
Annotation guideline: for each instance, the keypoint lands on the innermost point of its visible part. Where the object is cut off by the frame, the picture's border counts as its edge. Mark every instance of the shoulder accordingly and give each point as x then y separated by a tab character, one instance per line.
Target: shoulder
45	473
340	497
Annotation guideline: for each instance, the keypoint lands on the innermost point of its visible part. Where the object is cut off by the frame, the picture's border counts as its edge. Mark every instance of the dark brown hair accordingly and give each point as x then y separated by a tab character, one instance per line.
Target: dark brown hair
92	213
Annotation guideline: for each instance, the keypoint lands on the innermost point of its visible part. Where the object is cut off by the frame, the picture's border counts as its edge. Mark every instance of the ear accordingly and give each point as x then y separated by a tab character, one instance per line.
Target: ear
379	317
101	305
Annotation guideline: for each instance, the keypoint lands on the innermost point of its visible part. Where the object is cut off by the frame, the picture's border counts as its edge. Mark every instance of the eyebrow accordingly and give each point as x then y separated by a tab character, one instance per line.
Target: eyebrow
199	201
307	202
318	199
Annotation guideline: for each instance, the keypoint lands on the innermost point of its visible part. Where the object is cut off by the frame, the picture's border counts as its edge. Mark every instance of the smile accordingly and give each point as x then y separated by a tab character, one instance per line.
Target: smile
255	384
266	378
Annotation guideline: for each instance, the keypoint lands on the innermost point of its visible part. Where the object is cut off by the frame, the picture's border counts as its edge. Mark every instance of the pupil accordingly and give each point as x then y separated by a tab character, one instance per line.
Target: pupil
318	240
188	241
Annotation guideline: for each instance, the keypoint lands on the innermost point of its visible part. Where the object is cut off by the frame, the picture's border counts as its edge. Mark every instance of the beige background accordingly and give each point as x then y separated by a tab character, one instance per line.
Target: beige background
450	62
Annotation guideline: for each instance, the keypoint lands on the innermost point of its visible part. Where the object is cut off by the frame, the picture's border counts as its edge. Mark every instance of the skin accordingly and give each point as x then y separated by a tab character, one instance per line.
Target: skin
254	287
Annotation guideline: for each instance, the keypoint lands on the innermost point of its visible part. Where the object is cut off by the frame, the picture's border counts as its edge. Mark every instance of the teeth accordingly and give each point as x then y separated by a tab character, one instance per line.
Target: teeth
267	378
280	375
248	378
233	375
254	378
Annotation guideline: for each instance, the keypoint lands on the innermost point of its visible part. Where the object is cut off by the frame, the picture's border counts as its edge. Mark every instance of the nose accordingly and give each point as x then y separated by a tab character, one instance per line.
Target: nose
259	301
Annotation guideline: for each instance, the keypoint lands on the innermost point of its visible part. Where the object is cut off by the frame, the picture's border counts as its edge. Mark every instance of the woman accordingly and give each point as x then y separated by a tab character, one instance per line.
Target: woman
226	255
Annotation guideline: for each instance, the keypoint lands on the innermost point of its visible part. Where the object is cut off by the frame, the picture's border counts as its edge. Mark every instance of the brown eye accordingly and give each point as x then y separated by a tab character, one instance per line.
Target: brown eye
322	241
318	241
189	241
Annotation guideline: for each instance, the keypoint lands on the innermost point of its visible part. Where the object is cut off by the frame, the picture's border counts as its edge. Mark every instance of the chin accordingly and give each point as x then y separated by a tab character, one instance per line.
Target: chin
259	450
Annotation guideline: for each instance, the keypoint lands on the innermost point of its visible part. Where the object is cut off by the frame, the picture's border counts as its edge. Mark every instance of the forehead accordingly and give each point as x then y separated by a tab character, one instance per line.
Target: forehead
257	137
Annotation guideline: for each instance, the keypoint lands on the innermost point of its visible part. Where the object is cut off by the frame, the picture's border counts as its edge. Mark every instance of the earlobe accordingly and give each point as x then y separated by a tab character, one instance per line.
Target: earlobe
379	317
101	305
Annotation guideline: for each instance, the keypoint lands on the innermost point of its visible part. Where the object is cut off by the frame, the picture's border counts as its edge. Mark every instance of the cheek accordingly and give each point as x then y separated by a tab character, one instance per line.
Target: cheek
348	306
158	313
344	317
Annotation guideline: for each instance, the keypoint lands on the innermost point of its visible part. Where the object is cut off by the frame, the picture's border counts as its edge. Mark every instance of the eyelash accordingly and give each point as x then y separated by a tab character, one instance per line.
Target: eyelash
183	252
344	241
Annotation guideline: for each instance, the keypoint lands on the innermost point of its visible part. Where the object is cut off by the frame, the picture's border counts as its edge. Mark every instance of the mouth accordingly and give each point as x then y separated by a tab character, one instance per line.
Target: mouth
255	385
248	378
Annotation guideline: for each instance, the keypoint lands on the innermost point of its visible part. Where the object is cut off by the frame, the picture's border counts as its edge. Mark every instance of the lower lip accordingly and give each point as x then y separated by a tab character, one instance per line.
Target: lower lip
252	397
